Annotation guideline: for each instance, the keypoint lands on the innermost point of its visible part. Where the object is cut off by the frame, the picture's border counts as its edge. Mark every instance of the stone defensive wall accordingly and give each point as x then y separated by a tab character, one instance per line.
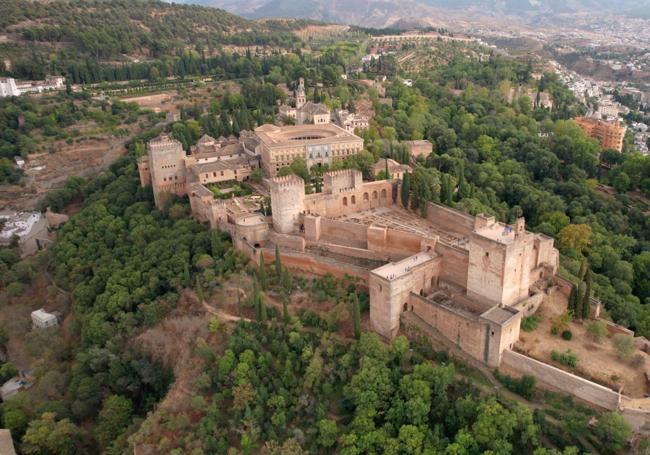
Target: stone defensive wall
390	243
461	327
315	265
456	262
529	306
563	381
451	220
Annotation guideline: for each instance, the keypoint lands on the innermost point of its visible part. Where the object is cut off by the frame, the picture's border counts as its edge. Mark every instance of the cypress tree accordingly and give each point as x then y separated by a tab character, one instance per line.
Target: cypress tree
582	290
583	270
386	170
278	263
406	190
586	304
186	274
356	316
261	273
199	289
573	299
285	309
263	316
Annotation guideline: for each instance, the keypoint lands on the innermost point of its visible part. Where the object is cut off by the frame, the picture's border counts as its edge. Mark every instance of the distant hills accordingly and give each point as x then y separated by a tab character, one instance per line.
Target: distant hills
382	13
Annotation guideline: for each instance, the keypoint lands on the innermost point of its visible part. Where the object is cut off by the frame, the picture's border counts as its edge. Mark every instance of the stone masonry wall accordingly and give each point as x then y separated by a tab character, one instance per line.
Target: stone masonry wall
459	327
595	394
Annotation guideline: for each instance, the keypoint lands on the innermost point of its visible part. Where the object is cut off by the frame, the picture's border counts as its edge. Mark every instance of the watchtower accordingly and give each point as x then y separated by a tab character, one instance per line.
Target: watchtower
287	202
166	166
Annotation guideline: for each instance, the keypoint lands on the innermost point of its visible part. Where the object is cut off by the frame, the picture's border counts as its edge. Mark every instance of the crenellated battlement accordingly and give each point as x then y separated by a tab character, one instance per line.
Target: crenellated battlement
342	180
286	182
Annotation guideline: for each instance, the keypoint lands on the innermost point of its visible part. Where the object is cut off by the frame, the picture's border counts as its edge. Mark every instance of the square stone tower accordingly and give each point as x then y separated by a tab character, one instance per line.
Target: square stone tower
166	166
504	261
287	202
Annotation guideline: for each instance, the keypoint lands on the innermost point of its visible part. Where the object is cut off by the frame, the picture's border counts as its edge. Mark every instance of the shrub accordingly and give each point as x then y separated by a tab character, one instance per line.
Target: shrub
597	331
624	345
567	335
529	323
568	358
561	323
524	386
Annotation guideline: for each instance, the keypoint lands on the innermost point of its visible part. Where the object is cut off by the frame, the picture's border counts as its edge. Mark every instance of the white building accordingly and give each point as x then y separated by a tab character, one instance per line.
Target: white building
351	121
8	87
28	228
41	319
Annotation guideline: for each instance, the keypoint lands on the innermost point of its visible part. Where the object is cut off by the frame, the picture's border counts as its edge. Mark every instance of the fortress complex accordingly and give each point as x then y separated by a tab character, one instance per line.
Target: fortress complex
469	278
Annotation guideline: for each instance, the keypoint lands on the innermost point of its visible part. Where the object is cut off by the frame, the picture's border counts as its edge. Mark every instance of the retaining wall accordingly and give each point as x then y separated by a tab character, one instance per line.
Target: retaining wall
595	394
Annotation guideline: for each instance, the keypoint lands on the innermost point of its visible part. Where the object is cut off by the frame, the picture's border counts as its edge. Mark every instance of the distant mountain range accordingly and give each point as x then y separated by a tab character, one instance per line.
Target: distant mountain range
383	13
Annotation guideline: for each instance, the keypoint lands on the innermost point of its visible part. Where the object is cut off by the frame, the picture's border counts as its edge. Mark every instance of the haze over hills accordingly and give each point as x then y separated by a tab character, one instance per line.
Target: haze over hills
381	13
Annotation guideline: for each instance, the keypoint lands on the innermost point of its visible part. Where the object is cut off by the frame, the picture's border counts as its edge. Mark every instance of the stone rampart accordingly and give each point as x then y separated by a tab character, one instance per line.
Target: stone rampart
595	394
458	326
456	261
451	220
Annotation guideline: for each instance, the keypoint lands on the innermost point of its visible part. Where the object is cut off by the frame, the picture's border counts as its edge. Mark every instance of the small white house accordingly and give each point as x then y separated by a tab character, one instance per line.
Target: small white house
41	319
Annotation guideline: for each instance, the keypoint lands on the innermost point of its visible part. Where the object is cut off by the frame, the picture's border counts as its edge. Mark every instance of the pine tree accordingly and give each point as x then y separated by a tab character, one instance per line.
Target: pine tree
406	190
586	304
356	316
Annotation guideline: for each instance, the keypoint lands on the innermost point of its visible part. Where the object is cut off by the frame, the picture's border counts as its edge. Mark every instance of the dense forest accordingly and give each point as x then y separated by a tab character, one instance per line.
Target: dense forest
49	36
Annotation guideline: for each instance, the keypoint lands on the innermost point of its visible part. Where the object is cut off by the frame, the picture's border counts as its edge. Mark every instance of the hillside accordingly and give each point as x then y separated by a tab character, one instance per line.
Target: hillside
381	13
38	35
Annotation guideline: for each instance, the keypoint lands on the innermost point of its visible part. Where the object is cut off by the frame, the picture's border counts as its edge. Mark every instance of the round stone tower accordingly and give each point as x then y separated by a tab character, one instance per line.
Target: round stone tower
287	202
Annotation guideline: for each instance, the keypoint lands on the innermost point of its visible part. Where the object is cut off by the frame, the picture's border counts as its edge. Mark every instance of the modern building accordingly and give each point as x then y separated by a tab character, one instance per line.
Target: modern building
41	319
169	169
28	229
609	134
8	87
322	144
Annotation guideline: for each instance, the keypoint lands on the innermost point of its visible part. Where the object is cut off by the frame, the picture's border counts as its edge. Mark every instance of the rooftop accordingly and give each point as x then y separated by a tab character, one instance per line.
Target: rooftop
297	135
499	315
395	270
